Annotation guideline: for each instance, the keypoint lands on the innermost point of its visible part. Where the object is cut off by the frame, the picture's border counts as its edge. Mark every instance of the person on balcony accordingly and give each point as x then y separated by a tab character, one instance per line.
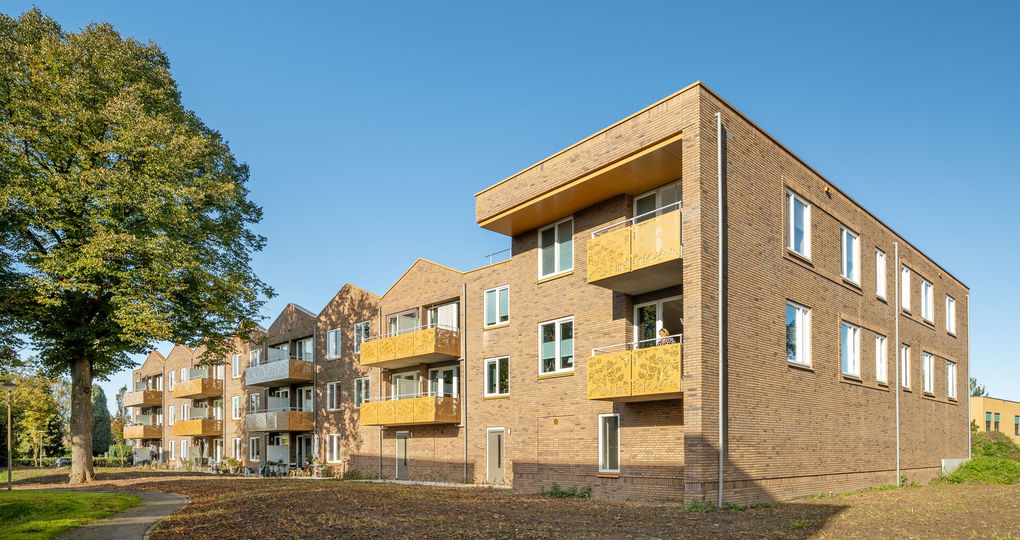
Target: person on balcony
665	338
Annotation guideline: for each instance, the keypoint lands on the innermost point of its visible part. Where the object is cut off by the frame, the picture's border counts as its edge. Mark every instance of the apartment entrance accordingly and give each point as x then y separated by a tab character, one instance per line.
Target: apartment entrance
494	455
304	450
403	466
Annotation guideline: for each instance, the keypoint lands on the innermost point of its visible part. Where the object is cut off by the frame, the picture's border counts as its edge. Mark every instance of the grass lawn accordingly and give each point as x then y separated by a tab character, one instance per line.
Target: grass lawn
44	514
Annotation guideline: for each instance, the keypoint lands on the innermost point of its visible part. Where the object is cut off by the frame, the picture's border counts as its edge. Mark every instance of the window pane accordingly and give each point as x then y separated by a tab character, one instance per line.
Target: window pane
565	232
610	443
644	205
504	375
566	344
845	346
548	350
791	333
504	305
646	326
491	376
547	245
490	307
798	225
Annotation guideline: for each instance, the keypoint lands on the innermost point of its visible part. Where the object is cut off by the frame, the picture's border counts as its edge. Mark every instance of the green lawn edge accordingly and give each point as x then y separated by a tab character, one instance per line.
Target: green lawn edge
36	514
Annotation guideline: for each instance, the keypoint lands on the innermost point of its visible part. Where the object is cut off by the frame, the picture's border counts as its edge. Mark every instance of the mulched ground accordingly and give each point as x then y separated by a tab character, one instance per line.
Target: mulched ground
282	508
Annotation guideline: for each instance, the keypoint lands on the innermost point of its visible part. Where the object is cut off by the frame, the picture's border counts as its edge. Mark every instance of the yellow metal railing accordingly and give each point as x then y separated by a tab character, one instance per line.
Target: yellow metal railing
652	373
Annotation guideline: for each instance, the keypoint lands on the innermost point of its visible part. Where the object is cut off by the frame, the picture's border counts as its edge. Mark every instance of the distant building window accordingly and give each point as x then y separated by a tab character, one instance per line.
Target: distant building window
927	300
333	396
1016	425
497	376
235	446
235	407
362	391
927	373
851	255
951	379
173	374
333	343
253	357
254	449
881	359
497	306
988	421
996	421
905	288
556	248
360	335
950	315
798	224
850	345
235	366
609	443
556	346
334	448
905	365
798	334
880	288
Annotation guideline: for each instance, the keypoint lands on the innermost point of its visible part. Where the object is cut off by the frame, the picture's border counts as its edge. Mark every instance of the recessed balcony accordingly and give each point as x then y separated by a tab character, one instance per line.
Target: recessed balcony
143	397
639	255
427	345
279	372
623	373
279	420
198	386
411	411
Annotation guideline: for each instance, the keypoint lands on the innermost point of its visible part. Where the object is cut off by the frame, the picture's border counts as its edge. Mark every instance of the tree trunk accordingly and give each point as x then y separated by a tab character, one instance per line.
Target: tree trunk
81	421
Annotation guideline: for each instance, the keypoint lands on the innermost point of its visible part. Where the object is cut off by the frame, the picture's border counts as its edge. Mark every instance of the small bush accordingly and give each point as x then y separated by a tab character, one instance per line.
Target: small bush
573	493
992	470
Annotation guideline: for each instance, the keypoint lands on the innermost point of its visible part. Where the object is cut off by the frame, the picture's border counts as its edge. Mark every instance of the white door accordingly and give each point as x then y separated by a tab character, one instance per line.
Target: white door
494	456
403	464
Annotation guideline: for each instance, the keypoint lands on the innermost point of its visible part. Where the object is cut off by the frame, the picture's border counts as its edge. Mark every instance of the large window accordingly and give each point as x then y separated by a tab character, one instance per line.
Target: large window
497	376
652	318
333	396
334	448
798	224
303	350
927	372
254	403
609	443
443	381
850	340
880	288
556	248
497	306
927	300
405	385
851	250
950	315
360	335
657	202
905	365
905	288
235	407
556	346
362	391
951	379
235	366
798	334
253	357
333	343
255	448
881	359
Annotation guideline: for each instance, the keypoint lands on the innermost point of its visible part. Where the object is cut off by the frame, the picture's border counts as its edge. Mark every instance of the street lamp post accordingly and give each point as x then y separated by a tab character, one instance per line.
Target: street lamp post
9	386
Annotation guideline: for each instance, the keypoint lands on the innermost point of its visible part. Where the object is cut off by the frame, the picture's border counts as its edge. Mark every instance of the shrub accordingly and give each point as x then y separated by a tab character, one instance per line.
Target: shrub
987	469
994	444
572	493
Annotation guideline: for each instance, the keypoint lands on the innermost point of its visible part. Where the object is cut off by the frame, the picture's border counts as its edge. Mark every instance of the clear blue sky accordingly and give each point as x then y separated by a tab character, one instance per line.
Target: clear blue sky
369	126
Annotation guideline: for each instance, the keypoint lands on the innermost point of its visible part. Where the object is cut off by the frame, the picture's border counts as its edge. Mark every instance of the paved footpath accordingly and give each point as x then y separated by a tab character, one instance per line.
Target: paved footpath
135	522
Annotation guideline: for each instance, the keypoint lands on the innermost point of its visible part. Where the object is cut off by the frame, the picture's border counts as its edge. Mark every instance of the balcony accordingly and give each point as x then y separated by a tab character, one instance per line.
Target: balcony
623	373
430	344
203	427
144	427
639	255
279	371
285	419
198	386
143	397
411	411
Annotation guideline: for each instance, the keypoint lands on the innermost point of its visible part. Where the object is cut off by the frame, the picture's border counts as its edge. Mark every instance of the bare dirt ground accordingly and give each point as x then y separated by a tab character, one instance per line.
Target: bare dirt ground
228	507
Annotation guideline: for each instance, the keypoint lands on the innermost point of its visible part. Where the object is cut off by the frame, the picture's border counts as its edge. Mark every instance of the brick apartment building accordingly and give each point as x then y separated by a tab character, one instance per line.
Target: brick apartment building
633	327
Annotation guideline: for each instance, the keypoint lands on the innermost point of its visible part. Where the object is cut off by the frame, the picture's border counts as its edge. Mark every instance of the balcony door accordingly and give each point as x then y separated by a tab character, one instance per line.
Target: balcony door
406	385
403	322
652	317
445	316
303	350
403	464
305	399
655	200
443	381
218	409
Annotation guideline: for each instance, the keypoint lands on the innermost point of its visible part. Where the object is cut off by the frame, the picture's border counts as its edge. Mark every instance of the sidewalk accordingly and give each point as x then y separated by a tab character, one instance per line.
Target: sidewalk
133	523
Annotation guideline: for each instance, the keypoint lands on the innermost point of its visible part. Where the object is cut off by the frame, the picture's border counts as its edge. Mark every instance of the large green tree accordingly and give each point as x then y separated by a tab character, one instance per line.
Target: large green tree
101	434
124	220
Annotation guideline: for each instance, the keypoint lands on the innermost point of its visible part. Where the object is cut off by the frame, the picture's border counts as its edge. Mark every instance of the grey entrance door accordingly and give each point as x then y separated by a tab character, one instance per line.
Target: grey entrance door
494	456
403	467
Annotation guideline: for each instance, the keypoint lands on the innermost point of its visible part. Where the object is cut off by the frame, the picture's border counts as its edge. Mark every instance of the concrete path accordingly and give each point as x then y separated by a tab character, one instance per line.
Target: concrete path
133	523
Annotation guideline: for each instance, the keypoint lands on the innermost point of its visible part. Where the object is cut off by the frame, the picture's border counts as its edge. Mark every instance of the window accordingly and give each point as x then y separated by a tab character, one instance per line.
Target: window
220	370
556	248
253	357
657	202
235	446
173	445
881	359
360	335
905	365
333	343
235	364
497	306
443	381
609	443
334	451
184	411
880	273
951	379
254	448
1016	425
905	288
497	376
798	334
235	407
362	390
172	417
927	300
927	373
651	318
950	315
254	403
304	350
184	450
405	385
988	421
333	396
556	346
996	421
850	340
173	374
851	250
184	376
798	224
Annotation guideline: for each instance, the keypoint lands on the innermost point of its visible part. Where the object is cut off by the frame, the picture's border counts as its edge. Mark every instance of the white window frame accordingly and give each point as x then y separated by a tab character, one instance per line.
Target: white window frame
602	467
485	306
905	288
173	449
361	331
951	315
803	322
333	393
880	278
170	383
556	250
558	341
254	357
184	450
172	415
927	300
950	379
852	352
235	407
881	358
364	386
456	380
791	196
905	365
854	273
928	372
184	374
235	448
334	343
255	449
334	448
235	366
184	411
485	367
